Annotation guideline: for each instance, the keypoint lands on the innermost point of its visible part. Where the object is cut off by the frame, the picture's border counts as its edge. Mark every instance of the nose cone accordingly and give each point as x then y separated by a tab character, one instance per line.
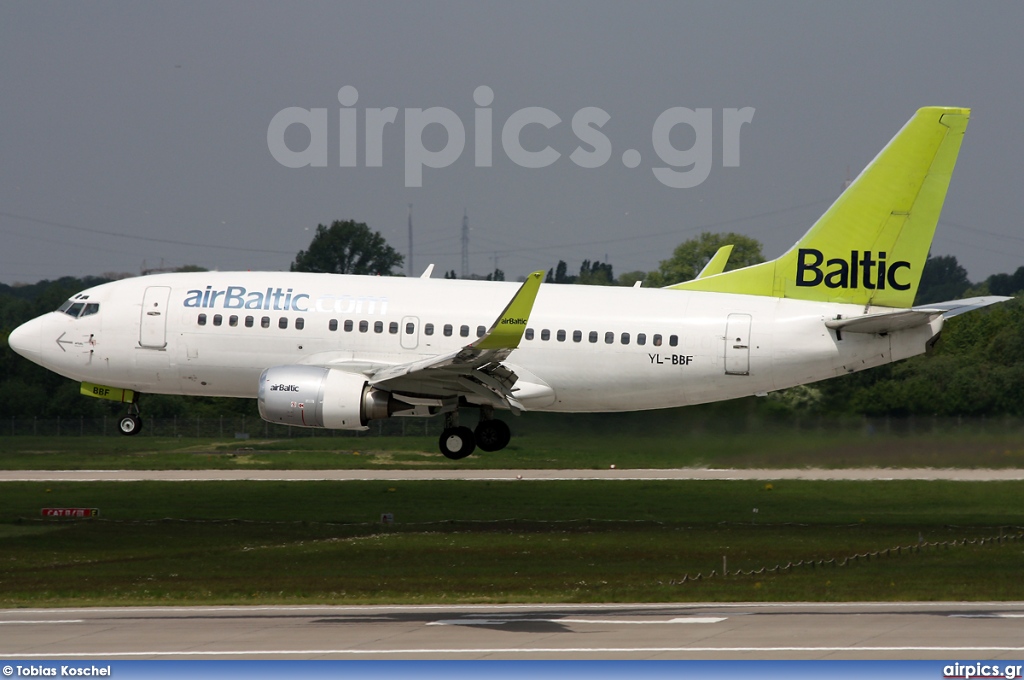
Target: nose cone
26	340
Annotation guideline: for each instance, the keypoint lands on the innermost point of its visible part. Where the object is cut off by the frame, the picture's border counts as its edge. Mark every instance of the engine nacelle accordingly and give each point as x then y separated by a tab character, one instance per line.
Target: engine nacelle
314	396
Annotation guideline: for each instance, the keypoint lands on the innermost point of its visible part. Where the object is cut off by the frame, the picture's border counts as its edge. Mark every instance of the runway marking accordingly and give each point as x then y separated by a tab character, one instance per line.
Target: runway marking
986	616
23	623
500	622
508	650
242	609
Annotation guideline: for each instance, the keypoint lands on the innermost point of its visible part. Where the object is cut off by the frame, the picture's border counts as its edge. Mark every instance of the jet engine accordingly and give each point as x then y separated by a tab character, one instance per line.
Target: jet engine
314	396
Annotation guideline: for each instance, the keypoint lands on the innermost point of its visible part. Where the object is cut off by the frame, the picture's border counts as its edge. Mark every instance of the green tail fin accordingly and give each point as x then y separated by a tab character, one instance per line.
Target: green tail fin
870	246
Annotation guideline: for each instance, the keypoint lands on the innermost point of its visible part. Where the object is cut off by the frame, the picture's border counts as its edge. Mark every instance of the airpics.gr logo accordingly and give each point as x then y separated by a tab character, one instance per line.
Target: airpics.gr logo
862	270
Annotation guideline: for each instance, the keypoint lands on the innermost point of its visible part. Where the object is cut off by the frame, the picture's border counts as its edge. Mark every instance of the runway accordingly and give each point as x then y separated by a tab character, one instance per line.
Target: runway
988	631
630	631
865	474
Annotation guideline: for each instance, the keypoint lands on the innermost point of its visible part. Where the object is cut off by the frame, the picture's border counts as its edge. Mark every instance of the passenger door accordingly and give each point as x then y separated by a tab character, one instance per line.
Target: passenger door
153	326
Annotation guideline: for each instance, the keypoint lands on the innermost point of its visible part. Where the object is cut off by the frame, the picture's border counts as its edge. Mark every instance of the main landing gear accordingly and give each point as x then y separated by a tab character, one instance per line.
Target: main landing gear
131	424
457	441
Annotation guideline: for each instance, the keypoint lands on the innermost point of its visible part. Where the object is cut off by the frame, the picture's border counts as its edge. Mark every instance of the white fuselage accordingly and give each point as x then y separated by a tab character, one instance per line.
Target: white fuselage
213	333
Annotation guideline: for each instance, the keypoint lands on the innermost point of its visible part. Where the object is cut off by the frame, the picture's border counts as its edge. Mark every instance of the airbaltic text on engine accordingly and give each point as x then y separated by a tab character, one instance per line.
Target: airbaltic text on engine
873	273
239	297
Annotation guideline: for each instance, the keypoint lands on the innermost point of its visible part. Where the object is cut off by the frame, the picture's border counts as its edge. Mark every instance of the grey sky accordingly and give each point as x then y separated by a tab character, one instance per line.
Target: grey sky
150	119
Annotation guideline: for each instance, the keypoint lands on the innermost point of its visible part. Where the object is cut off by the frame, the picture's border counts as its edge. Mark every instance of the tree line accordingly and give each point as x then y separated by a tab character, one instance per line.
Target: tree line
976	369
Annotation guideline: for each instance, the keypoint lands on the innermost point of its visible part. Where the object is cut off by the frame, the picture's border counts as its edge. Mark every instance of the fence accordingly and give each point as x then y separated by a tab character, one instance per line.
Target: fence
887	553
246	427
230	427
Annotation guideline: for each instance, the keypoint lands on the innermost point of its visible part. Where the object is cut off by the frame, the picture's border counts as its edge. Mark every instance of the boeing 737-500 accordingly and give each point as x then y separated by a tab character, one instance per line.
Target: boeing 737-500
338	351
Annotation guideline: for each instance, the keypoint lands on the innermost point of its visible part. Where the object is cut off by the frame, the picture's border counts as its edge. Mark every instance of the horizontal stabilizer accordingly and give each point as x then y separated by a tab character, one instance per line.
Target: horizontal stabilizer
958	307
884	323
889	322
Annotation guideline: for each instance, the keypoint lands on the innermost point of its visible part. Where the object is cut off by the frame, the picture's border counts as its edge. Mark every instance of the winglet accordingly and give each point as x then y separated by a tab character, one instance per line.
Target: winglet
716	265
508	329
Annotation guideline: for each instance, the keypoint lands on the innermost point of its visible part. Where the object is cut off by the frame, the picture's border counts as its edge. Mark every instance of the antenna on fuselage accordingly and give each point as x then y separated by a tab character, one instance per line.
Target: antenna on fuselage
465	244
410	270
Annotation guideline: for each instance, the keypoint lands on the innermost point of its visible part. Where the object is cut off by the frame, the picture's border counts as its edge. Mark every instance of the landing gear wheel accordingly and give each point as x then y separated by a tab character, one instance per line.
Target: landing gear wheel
492	435
457	442
130	425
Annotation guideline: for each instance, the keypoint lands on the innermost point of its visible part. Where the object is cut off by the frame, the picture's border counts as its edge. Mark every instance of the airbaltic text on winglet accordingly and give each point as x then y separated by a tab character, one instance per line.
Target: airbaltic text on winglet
286	300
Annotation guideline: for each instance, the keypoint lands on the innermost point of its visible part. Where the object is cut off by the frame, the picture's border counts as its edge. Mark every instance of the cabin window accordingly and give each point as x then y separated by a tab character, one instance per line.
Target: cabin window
217	319
410	328
232	320
349	325
657	340
609	338
378	326
625	338
641	338
202	319
529	334
300	323
480	331
332	325
428	329
447	330
593	336
265	322
249	321
673	340
464	331
364	326
393	328
545	334
282	322
560	336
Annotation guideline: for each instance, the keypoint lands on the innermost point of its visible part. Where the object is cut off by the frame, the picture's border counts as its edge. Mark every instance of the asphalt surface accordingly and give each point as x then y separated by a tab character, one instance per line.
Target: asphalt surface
966	475
989	631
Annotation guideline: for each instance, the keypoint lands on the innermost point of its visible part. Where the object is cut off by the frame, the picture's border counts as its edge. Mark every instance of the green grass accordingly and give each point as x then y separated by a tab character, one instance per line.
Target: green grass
580	445
320	542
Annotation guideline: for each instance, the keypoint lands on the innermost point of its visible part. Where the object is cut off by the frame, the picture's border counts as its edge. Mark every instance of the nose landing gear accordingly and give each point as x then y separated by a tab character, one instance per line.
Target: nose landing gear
131	424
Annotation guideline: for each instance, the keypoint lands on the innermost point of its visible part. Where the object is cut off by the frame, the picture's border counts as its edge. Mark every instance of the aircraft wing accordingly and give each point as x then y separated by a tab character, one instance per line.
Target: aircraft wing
476	369
888	322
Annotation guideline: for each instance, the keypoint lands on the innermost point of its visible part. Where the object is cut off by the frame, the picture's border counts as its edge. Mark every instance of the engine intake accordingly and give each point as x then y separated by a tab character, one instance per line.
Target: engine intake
314	396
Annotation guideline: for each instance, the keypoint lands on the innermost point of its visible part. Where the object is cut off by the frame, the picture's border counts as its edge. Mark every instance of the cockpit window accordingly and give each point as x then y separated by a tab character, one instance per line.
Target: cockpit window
76	307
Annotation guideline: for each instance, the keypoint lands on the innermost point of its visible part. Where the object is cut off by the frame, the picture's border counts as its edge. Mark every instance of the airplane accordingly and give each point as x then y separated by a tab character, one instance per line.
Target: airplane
339	351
